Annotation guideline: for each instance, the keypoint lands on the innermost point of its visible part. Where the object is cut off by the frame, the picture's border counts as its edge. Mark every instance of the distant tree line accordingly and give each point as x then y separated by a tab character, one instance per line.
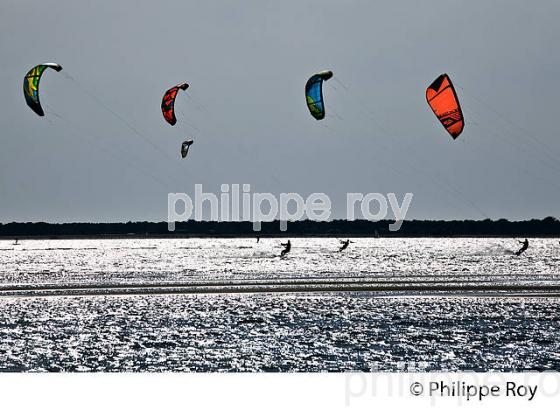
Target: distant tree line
547	227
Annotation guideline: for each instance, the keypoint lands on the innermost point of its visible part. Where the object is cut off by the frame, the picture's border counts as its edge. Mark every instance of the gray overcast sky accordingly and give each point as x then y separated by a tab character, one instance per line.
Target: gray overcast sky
247	63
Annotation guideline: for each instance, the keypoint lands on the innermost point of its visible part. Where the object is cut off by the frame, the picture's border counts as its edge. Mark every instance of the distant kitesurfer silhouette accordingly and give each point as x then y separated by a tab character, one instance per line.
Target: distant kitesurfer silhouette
525	244
287	248
345	244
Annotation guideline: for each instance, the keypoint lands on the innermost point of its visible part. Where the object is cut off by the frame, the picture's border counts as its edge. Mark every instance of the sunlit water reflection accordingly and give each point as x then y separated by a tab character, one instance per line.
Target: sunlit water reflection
277	332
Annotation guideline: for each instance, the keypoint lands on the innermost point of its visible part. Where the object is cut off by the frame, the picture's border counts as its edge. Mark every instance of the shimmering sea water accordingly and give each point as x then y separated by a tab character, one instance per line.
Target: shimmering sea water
234	305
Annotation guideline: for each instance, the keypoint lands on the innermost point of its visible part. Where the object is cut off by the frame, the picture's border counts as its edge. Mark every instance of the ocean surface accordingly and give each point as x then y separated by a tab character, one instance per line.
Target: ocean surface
234	305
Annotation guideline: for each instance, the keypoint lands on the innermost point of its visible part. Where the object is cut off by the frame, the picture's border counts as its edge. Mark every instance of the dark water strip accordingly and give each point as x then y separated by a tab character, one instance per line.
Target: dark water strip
385	289
462	280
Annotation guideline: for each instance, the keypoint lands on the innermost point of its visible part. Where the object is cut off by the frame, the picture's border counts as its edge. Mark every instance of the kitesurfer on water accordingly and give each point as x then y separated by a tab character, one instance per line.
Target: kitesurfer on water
287	248
525	244
344	244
